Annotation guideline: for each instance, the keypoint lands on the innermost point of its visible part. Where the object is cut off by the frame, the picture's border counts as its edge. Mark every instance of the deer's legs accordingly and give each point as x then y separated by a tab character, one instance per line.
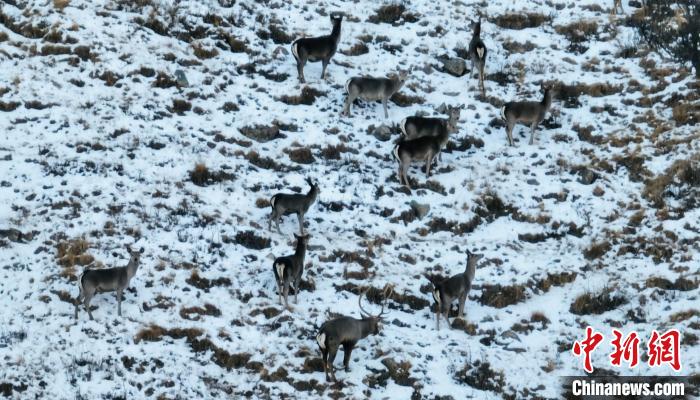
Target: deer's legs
462	300
301	223
286	293
404	174
348	103
86	303
437	315
347	351
324	356
532	132
481	79
119	302
332	351
509	132
386	113
323	70
296	290
300	69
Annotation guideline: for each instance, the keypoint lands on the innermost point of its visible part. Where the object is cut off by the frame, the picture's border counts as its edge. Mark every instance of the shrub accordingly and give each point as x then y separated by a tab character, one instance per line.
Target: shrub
590	303
520	20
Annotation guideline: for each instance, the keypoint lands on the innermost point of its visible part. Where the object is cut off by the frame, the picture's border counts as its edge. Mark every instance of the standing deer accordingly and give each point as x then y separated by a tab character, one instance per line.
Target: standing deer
617	5
417	127
292	203
455	287
315	49
347	331
424	149
288	270
527	112
93	281
370	89
477	53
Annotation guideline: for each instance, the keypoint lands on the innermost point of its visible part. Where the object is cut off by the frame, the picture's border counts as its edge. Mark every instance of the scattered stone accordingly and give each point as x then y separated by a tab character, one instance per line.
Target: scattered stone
586	176
421	210
181	78
454	66
381	132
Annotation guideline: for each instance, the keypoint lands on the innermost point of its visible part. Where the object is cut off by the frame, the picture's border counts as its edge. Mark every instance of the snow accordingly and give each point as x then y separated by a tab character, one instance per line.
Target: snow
61	186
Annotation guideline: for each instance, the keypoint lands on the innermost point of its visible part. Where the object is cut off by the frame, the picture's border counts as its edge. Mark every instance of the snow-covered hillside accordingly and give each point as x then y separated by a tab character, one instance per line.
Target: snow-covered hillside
596	224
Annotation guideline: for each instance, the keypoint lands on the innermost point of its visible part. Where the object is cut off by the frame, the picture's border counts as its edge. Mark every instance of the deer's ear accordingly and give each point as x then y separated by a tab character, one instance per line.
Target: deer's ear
142	250
128	248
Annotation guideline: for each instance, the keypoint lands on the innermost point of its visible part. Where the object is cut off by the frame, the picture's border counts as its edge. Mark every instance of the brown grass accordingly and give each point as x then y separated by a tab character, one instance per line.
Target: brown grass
201	175
597	250
578	31
590	303
202	52
680	283
195	313
502	296
307	97
60	4
205	284
683	315
686	171
520	20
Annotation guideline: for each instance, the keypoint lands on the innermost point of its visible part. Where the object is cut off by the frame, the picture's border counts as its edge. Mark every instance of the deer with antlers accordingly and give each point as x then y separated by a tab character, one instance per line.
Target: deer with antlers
347	331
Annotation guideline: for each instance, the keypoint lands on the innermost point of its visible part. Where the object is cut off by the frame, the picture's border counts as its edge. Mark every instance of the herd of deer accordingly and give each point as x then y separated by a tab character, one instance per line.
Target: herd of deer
422	139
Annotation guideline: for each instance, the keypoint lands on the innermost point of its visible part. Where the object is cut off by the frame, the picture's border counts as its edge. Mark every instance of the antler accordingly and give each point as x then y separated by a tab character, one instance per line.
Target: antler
359	303
388	291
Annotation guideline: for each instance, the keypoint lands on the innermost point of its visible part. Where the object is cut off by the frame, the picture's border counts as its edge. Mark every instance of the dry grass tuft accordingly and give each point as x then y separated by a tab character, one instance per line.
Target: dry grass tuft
60	4
590	303
520	20
502	296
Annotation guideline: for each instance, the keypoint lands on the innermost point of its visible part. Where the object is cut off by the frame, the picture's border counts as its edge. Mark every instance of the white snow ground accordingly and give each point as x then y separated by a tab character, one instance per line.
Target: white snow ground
108	162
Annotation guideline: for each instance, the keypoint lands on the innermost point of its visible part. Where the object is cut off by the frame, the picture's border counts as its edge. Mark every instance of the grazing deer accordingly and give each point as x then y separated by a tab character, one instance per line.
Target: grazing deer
370	89
315	49
617	5
424	148
417	127
93	281
288	270
347	331
292	203
477	53
455	287
527	112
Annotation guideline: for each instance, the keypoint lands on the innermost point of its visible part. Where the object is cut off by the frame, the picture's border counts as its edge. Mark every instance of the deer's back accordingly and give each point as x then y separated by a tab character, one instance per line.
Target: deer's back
106	279
316	48
416	127
369	88
524	111
455	285
287	201
418	148
342	329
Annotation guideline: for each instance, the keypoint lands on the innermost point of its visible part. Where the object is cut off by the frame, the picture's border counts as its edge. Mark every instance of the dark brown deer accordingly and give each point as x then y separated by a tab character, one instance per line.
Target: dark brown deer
292	203
526	112
477	53
316	49
347	331
455	287
93	281
288	270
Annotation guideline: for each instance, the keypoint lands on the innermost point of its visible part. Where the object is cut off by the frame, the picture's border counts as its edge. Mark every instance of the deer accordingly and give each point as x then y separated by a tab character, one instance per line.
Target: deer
527	112
347	331
417	127
369	88
424	148
617	5
477	53
455	287
314	49
116	279
292	203
288	270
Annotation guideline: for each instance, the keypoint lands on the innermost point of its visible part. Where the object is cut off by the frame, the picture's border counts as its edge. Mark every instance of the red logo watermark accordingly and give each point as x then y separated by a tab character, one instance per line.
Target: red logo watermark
661	348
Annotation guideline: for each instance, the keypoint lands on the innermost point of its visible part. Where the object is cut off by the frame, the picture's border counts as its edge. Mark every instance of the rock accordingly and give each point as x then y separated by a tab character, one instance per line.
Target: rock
181	79
533	182
427	69
14	235
510	335
381	132
421	210
586	176
455	66
280	50
442	108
